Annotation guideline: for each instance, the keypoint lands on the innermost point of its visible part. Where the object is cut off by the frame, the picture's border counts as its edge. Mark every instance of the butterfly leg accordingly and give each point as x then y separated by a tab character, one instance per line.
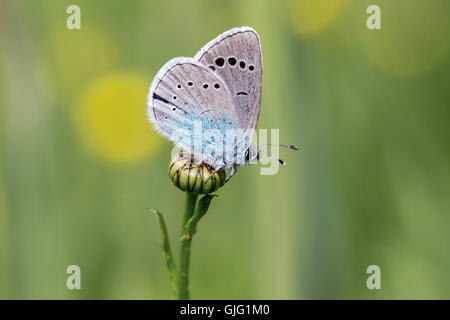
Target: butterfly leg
232	172
199	162
214	171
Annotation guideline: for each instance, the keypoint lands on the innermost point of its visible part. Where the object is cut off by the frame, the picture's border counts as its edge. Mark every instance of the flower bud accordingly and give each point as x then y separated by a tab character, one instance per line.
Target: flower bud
194	178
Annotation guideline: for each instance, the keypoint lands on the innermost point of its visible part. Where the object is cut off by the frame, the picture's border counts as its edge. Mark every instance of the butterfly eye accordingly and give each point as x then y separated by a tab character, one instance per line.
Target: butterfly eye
251	67
232	61
220	62
242	64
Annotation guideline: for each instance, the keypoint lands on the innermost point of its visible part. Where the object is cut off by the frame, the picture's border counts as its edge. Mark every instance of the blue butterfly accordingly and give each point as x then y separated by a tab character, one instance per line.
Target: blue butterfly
209	105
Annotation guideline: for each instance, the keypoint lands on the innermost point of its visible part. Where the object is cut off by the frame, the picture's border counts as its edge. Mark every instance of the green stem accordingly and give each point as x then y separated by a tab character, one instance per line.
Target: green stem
182	292
193	212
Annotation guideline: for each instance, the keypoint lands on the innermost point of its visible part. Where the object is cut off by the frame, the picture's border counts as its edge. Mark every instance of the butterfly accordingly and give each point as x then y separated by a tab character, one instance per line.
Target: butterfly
209	105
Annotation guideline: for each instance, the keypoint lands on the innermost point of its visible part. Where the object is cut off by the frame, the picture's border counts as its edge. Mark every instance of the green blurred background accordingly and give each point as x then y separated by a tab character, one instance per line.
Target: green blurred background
80	165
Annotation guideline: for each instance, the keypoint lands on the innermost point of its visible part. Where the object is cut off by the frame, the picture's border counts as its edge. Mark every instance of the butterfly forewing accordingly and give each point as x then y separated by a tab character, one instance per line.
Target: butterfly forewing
236	57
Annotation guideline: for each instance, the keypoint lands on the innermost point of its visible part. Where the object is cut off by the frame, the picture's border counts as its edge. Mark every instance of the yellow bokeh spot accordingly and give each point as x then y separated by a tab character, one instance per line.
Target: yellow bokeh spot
312	16
111	117
414	37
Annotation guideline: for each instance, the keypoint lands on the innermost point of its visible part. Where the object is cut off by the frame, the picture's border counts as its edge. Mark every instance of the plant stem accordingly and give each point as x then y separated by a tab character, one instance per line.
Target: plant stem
182	292
193	212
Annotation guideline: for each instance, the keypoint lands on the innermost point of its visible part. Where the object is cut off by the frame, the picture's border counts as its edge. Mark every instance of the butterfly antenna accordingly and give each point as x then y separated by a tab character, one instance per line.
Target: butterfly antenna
279	145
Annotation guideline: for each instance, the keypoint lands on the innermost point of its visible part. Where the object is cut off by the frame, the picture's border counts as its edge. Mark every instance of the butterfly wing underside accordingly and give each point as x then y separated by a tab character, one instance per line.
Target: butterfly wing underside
184	93
236	57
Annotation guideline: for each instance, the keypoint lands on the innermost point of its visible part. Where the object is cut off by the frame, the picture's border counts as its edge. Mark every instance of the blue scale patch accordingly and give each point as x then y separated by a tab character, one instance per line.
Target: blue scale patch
205	134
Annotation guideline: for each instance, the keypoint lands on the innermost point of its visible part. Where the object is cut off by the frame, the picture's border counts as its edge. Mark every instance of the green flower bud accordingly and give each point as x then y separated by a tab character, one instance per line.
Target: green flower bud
194	178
